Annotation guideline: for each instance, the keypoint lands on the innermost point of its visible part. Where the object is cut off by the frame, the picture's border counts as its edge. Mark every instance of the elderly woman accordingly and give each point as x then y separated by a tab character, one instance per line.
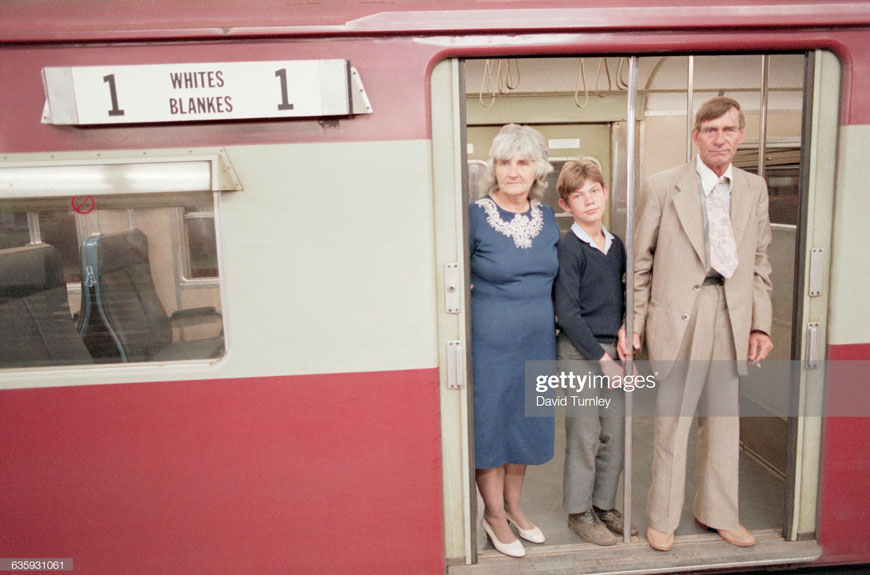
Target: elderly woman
513	239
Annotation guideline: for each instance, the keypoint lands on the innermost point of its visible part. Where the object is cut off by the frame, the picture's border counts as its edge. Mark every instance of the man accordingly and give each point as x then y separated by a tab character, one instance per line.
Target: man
702	291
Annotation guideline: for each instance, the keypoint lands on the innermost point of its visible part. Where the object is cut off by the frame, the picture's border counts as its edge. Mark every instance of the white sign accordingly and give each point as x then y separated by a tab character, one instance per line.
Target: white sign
564	144
197	92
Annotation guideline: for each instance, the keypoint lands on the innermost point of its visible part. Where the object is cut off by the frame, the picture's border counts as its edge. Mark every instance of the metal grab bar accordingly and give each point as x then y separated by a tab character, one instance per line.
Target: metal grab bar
629	286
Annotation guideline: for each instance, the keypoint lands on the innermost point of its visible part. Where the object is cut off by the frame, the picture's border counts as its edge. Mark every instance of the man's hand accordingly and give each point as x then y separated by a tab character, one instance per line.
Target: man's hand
621	344
759	347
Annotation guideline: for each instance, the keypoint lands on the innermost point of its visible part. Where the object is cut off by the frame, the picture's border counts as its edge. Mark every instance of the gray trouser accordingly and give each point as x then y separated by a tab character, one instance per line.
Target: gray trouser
594	442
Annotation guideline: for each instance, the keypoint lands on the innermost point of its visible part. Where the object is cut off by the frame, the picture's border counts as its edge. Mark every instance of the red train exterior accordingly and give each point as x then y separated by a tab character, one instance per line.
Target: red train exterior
271	473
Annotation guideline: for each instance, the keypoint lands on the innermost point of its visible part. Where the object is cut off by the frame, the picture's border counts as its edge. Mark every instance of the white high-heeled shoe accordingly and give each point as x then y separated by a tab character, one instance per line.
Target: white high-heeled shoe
535	535
513	549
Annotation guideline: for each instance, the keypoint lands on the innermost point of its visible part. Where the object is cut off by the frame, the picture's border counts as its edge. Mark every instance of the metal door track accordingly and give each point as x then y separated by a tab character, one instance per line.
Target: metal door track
691	553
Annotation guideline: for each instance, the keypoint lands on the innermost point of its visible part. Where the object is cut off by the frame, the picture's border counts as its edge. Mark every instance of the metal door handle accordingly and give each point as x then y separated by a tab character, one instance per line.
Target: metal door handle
455	377
812	361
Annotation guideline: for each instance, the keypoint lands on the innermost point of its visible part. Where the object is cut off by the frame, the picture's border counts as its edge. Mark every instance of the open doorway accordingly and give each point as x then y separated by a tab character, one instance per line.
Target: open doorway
773	91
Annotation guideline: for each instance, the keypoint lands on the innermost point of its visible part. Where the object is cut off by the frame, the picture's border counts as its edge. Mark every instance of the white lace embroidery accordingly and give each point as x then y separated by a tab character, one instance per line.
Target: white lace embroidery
521	229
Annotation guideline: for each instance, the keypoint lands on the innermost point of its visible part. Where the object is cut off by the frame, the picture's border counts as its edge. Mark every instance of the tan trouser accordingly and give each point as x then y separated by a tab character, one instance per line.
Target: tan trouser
691	385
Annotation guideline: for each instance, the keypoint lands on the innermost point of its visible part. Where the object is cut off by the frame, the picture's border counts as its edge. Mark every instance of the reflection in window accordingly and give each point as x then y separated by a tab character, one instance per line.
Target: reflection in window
14	230
113	296
782	172
200	243
58	228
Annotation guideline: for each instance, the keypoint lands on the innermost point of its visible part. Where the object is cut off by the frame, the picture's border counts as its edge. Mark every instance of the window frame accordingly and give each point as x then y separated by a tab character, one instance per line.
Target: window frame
27	177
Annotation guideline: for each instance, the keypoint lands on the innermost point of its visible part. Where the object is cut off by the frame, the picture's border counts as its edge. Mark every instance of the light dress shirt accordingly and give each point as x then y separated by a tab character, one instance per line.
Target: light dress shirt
707	179
584	237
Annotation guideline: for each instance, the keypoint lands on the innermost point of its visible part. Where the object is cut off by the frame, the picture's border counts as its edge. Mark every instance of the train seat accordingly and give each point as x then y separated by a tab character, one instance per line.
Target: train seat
36	327
122	317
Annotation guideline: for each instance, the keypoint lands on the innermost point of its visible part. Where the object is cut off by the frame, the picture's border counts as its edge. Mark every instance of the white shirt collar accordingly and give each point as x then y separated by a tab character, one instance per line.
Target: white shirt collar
709	179
584	237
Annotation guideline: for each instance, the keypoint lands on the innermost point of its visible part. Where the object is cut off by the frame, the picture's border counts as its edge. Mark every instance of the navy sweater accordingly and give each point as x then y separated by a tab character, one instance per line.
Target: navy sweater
590	293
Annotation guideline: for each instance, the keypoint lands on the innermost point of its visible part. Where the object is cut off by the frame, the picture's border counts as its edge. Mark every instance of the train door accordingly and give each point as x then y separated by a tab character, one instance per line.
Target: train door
791	108
450	172
791	140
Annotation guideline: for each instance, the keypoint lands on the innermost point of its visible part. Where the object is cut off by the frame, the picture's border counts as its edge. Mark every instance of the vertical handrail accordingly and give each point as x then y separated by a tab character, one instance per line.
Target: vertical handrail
762	117
34	233
690	106
629	286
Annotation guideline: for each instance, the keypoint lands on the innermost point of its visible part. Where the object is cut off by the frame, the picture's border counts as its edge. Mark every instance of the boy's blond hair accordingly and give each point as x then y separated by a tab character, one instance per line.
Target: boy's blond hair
576	174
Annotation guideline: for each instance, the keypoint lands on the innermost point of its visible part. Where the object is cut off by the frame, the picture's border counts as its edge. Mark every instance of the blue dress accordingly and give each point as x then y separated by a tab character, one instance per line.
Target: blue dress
513	265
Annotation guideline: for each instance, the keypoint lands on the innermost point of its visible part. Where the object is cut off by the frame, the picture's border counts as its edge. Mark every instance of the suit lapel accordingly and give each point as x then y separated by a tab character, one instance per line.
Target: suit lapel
687	202
741	206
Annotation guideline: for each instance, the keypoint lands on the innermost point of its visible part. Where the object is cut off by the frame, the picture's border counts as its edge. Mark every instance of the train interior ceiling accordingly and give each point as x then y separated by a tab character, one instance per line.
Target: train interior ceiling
580	106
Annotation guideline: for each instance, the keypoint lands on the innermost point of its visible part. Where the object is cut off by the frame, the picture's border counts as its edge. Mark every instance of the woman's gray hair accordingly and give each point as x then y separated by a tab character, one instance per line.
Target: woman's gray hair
531	145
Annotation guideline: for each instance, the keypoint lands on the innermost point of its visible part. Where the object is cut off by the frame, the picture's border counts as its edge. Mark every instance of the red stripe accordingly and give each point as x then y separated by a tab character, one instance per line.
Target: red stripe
396	86
395	72
306	474
220	19
843	506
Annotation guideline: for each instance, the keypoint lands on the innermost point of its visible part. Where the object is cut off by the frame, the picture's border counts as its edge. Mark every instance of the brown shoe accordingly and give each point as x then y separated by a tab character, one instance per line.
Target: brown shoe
613	520
590	528
658	540
741	537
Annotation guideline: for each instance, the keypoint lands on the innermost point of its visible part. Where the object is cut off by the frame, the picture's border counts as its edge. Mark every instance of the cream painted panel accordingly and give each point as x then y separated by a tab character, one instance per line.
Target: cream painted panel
328	266
329	258
849	315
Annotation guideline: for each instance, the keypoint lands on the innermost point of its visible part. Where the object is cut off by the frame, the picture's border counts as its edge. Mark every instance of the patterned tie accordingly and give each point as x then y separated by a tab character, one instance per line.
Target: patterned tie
723	249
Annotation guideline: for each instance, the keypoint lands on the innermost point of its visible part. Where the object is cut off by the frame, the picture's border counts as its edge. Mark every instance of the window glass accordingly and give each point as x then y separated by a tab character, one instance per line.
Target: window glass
13	229
200	244
103	287
782	172
477	170
58	228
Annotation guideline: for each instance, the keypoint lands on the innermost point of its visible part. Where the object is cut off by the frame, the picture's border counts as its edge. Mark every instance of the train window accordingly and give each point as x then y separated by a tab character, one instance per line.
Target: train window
14	230
477	170
199	249
93	279
58	227
782	172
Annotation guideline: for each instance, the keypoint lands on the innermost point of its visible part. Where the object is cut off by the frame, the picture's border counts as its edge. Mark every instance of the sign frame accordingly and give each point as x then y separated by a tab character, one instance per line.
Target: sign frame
202	92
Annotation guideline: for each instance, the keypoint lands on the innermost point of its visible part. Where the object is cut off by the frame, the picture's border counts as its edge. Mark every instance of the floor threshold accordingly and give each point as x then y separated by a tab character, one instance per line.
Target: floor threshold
691	553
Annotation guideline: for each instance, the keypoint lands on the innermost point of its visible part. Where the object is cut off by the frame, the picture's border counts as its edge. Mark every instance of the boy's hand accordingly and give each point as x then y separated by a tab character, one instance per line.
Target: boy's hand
610	368
621	344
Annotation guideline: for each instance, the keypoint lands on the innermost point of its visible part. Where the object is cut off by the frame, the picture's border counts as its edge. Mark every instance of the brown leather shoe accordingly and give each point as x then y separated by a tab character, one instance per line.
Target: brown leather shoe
658	540
741	537
590	528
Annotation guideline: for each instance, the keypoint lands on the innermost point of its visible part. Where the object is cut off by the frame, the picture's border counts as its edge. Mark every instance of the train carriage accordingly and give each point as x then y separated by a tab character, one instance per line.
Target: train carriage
233	271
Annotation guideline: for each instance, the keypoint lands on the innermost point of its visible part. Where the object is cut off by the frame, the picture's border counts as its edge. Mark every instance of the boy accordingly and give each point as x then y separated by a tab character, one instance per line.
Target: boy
590	305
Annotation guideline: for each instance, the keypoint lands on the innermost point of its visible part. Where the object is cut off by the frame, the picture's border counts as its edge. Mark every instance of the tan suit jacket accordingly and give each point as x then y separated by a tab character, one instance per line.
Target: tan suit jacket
670	263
